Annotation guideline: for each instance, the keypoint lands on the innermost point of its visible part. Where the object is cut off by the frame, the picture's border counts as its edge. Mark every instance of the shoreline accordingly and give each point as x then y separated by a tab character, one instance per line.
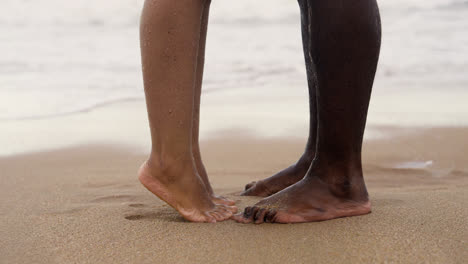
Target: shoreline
125	123
84	204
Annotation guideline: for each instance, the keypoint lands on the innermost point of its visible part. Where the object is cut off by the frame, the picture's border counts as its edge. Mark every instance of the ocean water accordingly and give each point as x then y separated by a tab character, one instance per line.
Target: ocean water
65	57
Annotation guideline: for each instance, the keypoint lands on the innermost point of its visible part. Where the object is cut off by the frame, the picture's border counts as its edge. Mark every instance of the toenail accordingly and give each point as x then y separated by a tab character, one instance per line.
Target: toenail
270	215
258	215
254	211
247	212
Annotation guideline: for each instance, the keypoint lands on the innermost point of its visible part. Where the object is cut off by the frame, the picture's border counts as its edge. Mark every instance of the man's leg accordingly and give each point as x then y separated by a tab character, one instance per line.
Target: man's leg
196	111
295	172
170	35
345	46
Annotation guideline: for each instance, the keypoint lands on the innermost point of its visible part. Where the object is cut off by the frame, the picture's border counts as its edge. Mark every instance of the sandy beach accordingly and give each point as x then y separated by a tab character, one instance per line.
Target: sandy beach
83	204
74	131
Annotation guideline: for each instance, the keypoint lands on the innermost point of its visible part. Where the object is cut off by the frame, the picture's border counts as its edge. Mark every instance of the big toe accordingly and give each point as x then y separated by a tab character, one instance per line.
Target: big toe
252	191
249	185
241	219
257	189
247	216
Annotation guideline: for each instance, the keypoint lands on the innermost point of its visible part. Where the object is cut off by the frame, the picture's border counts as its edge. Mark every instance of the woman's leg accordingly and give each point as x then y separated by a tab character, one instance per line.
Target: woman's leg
196	111
295	172
170	36
345	46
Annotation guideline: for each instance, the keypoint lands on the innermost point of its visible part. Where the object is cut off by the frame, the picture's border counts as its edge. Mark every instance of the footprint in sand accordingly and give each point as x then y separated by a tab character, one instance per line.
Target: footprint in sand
137	205
135	217
118	198
114	185
162	213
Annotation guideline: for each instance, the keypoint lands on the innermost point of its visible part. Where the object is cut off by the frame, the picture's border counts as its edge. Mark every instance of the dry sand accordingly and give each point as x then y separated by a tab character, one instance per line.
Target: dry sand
84	205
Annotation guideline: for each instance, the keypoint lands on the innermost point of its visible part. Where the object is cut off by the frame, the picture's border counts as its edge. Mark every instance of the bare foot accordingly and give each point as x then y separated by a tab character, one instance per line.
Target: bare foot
182	188
308	200
280	180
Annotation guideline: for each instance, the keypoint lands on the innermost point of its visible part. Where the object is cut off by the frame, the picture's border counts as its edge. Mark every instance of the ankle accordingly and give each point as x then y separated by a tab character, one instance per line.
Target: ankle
166	168
344	178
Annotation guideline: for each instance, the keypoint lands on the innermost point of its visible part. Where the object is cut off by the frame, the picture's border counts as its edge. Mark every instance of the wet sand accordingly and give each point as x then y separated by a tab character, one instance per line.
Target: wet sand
84	204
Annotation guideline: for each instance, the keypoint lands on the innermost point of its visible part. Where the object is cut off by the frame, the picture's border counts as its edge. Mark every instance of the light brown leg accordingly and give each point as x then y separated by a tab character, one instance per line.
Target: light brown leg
170	37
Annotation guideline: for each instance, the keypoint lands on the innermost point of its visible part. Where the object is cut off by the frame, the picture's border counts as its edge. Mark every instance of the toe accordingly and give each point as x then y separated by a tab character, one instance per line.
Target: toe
209	218
250	192
221	213
245	217
270	216
248	212
249	185
238	218
258	189
232	209
250	217
259	217
218	216
224	211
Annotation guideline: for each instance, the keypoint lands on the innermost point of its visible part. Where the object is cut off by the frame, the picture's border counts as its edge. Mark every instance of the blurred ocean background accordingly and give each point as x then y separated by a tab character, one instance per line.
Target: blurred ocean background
59	58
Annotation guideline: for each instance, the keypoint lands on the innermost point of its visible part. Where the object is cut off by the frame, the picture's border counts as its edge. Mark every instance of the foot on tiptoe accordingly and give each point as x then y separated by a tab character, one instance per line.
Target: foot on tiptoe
180	186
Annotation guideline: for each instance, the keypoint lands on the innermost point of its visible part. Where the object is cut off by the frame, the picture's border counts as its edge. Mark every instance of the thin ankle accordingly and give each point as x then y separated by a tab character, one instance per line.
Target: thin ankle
344	178
168	169
166	161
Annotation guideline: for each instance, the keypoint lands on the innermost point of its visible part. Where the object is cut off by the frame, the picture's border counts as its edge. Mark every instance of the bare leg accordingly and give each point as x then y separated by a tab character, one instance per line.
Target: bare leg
196	111
345	46
295	172
170	36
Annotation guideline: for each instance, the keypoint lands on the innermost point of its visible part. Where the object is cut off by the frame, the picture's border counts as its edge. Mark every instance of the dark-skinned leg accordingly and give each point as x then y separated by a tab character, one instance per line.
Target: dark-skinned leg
196	110
295	172
345	49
